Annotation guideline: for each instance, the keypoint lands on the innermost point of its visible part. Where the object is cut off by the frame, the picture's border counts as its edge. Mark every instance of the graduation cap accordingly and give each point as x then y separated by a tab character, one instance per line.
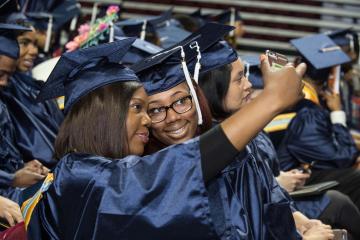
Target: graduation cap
321	53
139	50
8	42
43	21
253	72
229	16
200	17
65	12
80	72
167	69
346	37
139	27
7	7
170	33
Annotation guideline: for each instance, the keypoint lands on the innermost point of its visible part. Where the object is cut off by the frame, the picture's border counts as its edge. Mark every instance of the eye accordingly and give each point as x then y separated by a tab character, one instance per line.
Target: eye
181	101
153	111
136	106
24	42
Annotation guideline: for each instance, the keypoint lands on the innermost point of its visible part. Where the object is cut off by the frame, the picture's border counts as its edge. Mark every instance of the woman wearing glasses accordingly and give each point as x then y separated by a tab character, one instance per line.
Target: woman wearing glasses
241	198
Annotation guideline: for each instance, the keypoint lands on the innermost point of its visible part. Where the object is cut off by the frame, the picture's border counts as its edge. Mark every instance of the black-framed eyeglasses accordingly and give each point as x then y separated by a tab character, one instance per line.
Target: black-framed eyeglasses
180	106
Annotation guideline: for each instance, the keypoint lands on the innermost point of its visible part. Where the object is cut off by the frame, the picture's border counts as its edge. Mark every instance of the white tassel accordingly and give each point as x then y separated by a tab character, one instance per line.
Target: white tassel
48	34
198	64
143	30
232	21
73	23
94	13
247	67
111	34
191	87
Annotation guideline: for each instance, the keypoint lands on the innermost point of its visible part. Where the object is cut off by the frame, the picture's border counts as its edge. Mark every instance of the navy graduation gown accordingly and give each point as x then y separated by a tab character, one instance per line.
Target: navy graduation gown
247	203
312	138
311	206
10	158
161	196
36	124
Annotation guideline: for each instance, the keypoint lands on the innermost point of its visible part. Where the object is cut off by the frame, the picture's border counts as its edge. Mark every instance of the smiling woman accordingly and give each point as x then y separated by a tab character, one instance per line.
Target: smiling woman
28	51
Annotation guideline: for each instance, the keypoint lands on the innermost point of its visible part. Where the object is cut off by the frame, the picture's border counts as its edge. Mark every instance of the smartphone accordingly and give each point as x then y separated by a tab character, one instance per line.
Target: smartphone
305	168
340	234
276	60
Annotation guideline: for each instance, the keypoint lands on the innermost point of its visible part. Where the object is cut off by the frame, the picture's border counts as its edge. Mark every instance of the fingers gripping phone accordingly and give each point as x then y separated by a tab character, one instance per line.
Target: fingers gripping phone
276	60
340	234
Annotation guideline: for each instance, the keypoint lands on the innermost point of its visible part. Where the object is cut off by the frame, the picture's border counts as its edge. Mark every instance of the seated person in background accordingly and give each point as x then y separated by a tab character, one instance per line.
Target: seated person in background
237	202
318	135
349	73
227	94
10	211
36	124
14	174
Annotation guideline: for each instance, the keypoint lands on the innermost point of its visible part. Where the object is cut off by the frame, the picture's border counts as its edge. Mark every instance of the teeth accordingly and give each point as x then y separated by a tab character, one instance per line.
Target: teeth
178	131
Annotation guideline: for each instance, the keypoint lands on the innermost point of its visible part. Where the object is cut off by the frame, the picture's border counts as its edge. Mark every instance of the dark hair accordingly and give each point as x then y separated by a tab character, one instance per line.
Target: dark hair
215	85
96	124
155	145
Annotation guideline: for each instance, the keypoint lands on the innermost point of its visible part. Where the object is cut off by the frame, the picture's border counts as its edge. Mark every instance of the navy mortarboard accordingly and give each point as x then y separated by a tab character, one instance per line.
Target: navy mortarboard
172	66
140	27
322	53
43	21
65	12
170	32
347	38
139	50
200	17
228	17
8	43
252	70
80	72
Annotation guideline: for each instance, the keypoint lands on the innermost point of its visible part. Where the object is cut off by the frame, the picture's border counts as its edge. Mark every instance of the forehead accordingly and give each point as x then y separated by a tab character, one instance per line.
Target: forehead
238	64
140	94
170	94
28	35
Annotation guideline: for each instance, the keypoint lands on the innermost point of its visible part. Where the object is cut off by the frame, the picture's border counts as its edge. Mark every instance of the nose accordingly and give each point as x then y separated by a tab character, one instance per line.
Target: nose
171	116
33	50
146	120
248	84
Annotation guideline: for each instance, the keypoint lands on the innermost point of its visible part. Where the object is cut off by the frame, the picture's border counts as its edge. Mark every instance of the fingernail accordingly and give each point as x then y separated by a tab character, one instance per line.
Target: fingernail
262	57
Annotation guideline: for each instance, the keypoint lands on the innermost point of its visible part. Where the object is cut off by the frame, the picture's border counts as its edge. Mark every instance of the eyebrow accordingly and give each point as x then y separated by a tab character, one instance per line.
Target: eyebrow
172	95
137	98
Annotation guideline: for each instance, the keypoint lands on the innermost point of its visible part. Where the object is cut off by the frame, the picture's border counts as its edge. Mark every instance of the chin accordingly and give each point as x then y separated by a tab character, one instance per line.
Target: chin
137	152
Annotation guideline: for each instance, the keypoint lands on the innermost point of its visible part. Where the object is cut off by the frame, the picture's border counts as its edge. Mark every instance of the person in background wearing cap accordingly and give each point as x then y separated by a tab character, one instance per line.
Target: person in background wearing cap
350	72
36	124
227	93
159	196
317	134
13	174
231	17
174	114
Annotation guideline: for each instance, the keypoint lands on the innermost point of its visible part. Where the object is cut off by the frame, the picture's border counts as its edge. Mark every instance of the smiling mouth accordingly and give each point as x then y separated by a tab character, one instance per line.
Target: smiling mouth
28	63
178	131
